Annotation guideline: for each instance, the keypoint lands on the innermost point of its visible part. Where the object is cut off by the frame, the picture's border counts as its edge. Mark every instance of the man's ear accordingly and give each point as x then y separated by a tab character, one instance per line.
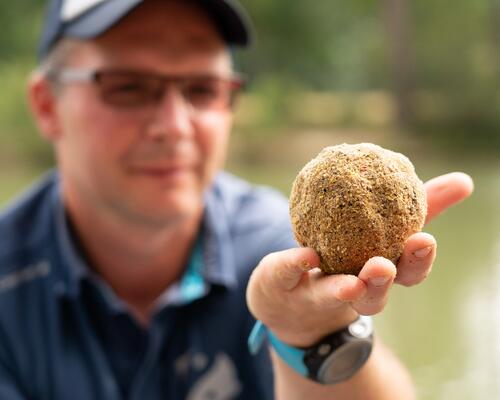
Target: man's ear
43	105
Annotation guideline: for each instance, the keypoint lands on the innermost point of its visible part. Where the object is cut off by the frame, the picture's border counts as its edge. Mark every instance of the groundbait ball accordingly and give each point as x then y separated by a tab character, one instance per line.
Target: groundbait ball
354	202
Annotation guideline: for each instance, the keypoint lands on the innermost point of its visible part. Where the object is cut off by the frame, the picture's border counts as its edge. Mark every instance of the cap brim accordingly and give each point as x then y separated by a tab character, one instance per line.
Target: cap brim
99	19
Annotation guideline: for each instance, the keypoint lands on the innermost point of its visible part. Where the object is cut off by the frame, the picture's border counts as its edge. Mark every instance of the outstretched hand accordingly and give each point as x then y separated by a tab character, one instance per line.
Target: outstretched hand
300	304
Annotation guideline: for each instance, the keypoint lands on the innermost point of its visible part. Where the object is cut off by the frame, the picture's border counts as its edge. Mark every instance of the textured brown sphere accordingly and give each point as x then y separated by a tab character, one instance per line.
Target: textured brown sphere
354	202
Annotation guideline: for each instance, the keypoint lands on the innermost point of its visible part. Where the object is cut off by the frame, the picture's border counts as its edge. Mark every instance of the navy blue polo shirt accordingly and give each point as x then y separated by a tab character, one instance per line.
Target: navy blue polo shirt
64	334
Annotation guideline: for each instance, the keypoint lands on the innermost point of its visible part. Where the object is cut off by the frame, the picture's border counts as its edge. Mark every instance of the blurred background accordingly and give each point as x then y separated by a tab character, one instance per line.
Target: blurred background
416	77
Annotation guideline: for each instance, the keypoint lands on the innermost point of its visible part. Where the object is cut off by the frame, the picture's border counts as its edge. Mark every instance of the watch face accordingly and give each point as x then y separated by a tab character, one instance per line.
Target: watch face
345	361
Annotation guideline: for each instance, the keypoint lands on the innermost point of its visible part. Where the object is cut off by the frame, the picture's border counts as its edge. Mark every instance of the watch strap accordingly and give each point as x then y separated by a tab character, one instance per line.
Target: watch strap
293	356
305	361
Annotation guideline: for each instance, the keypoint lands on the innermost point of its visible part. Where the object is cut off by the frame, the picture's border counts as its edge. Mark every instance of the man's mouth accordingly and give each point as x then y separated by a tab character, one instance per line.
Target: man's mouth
159	172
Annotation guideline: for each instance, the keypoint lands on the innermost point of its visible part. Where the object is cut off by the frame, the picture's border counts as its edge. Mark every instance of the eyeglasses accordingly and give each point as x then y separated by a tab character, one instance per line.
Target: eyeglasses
129	89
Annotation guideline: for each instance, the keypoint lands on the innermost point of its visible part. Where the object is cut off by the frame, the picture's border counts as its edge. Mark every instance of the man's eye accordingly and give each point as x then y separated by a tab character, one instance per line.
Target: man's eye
129	92
127	87
202	90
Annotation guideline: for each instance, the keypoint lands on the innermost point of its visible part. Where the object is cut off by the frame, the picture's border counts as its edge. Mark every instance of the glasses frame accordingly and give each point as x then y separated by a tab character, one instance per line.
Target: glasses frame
236	81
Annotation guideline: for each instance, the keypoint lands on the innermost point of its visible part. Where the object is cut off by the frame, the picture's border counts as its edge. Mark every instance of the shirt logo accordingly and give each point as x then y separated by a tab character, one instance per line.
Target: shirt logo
220	381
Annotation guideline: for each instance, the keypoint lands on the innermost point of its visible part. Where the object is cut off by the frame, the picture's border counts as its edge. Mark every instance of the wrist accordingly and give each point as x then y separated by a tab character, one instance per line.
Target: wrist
305	337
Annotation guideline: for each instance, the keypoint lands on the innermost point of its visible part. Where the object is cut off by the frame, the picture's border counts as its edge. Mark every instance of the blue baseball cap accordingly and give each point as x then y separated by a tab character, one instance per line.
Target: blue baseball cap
86	19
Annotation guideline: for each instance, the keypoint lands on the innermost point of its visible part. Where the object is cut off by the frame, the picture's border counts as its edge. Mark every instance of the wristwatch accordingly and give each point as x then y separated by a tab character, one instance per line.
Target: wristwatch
334	359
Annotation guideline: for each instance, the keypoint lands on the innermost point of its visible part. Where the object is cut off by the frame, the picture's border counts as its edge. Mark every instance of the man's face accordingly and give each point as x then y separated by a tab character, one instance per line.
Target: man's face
150	164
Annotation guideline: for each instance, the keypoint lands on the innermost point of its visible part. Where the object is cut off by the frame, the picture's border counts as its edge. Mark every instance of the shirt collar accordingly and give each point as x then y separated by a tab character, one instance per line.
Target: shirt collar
212	261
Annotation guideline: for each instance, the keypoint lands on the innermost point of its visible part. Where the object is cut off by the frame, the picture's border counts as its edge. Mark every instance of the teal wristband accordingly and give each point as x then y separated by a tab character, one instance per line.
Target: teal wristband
293	356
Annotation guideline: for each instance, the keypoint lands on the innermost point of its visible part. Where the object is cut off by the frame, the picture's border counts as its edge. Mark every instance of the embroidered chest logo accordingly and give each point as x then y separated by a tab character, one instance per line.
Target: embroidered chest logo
219	382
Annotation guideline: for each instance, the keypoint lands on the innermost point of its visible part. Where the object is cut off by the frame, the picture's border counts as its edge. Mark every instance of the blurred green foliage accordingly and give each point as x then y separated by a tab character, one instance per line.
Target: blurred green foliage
452	55
20	23
316	65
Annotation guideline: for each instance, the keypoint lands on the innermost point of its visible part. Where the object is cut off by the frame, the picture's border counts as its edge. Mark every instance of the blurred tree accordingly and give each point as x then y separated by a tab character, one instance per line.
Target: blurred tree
327	46
402	61
20	21
495	33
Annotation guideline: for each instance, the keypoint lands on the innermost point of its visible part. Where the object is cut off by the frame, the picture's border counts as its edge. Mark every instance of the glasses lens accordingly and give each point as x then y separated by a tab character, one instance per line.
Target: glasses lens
129	89
207	93
135	89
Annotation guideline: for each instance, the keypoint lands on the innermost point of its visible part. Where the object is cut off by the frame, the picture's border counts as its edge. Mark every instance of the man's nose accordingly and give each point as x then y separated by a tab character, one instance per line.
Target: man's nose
173	116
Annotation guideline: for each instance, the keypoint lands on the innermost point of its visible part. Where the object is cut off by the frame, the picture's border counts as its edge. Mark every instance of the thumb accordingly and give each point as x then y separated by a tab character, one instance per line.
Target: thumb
284	269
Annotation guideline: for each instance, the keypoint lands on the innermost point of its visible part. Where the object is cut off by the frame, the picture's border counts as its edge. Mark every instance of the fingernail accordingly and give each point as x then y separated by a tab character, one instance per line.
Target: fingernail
379	281
422	253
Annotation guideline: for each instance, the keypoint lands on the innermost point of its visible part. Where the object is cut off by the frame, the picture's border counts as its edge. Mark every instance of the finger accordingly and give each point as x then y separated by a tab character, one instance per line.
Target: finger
378	274
416	262
285	269
332	290
445	191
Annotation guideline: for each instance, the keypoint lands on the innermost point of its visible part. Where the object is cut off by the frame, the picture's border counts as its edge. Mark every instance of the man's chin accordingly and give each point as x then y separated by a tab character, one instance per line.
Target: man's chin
169	212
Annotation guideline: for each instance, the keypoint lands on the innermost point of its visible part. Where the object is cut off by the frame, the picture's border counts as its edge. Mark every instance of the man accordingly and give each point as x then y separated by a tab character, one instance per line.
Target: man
123	275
